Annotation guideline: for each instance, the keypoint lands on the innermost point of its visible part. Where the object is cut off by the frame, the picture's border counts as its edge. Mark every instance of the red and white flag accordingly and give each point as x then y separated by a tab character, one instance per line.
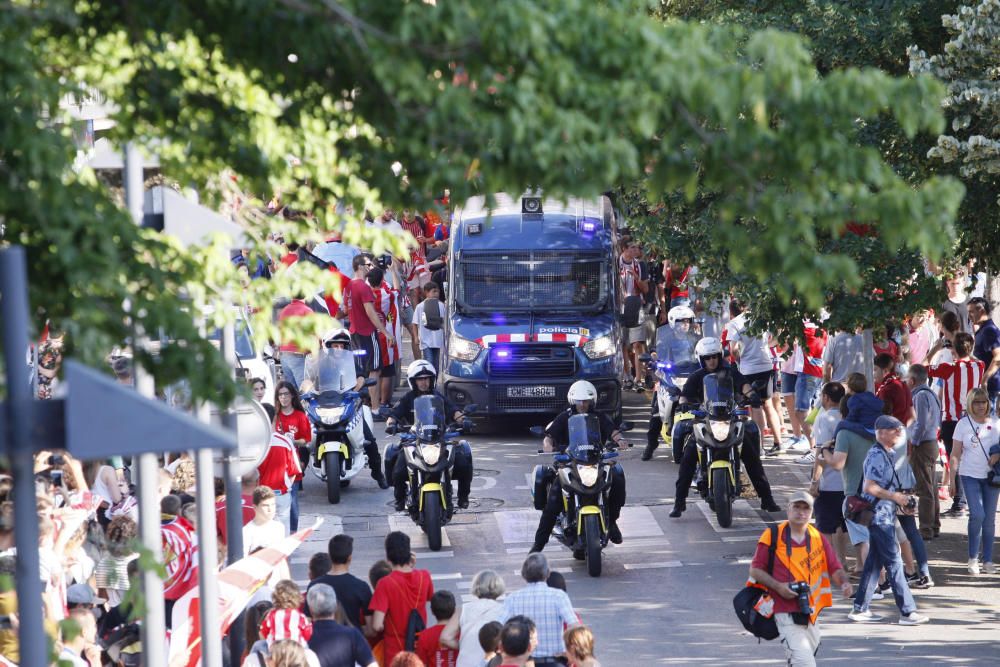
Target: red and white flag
237	584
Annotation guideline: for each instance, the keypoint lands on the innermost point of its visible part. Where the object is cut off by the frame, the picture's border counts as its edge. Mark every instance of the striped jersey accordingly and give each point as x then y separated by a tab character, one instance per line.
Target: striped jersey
627	278
180	557
960	377
387	307
286	624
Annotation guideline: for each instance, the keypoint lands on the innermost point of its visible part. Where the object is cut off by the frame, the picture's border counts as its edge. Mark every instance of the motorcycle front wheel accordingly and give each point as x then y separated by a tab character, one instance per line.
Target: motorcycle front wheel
722	498
432	519
331	464
592	537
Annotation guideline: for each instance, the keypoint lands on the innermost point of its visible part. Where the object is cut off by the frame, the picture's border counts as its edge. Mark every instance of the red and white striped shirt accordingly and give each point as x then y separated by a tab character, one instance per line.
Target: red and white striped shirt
387	307
286	624
628	278
960	377
180	557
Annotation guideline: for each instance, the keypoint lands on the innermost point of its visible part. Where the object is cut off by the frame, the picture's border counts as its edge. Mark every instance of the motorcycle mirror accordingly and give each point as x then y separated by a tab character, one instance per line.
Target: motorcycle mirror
370	382
392	429
538	431
625	426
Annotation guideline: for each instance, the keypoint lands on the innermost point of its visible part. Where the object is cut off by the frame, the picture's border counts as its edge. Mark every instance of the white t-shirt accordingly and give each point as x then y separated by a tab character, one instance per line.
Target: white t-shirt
429	338
975	459
824	430
262	535
755	357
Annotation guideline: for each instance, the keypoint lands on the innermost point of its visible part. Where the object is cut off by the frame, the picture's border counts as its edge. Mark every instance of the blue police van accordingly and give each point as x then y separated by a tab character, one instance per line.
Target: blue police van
533	305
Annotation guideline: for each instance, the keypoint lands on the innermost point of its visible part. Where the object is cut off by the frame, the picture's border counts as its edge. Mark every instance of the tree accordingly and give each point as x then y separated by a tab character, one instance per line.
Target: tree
344	105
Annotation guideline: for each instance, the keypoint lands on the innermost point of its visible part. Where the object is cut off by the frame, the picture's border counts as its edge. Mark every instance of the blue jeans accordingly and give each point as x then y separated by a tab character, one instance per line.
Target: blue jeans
909	525
883	551
433	355
293	367
982	499
293	518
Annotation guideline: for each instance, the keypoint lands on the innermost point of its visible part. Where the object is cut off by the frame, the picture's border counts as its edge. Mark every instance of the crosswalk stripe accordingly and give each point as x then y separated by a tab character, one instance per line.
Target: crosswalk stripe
418	539
744	517
651	566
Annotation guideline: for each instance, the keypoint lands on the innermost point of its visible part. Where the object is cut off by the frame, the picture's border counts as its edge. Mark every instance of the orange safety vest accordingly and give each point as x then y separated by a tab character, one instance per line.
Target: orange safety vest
806	563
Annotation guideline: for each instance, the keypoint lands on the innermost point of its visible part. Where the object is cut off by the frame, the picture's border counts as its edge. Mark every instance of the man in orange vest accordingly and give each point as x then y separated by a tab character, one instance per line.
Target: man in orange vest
799	584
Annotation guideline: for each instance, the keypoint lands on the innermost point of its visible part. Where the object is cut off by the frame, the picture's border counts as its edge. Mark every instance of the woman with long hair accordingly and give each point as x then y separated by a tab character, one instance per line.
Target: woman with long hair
291	420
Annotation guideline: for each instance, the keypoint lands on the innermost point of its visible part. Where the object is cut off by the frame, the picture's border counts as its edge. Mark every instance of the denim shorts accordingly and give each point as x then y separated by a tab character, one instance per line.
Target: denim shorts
788	382
805	389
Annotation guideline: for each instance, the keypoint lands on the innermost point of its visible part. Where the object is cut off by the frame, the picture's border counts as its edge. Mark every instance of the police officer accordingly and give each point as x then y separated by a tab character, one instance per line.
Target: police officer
675	346
583	397
709	351
421	376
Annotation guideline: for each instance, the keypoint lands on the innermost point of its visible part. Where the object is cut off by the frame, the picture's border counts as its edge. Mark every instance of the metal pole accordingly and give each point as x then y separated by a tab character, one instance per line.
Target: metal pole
234	500
20	413
208	554
132	179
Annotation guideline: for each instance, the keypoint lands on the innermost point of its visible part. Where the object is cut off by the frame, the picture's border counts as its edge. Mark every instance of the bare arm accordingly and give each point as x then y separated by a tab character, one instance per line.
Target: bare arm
873	489
450	634
956	458
781	588
994	366
838	460
378	621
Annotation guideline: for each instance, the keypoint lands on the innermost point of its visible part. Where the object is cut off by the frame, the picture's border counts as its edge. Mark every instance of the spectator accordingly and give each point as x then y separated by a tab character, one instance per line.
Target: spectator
430	647
366	324
407	659
844	354
960	377
293	358
922	435
941	349
431	339
676	280
987	347
914	550
248	483
751	352
975	435
353	594
882	488
827	483
633	286
489	642
111	574
400	592
885	343
811	376
789	372
180	553
291	421
958	299
378	571
387	305
922	335
335	645
854	437
82	649
263	531
518	642
580	647
319	565
287	653
255	649
487	586
259	387
285	621
895	395
549	608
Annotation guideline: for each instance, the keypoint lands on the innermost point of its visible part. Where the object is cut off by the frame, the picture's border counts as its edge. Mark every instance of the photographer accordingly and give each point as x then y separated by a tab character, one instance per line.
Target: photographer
799	584
883	489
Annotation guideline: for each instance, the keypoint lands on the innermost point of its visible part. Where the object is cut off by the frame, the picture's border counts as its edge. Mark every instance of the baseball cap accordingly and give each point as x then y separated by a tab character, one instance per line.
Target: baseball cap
887	422
82	594
801	497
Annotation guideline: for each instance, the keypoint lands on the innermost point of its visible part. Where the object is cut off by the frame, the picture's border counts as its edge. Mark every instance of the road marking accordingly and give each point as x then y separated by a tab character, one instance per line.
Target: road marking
450	575
517	525
418	539
638	521
741	538
529	478
434	554
488	483
651	566
744	517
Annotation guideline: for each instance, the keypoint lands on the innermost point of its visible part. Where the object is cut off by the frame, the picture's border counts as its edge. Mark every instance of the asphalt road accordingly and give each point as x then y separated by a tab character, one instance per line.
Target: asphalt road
665	594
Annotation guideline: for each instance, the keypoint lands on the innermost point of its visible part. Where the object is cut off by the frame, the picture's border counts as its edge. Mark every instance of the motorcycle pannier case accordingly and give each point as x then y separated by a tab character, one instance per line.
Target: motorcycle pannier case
540	488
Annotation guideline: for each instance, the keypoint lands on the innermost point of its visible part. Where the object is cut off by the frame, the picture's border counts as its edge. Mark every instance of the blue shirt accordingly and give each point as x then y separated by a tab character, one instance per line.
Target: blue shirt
879	467
987	340
339	645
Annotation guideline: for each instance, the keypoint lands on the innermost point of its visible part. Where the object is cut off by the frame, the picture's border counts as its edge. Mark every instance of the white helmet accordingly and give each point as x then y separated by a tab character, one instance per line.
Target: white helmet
708	347
679	313
337	336
420	369
581	390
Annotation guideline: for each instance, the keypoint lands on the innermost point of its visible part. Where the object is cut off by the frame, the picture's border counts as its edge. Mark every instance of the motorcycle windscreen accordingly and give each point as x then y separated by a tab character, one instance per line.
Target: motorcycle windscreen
428	417
335	371
584	438
675	347
719	395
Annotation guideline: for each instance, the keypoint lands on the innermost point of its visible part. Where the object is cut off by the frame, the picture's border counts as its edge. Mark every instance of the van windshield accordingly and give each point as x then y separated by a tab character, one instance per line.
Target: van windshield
531	280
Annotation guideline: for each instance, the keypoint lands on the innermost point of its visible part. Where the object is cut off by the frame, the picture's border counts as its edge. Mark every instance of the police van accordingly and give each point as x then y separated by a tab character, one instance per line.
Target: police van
533	305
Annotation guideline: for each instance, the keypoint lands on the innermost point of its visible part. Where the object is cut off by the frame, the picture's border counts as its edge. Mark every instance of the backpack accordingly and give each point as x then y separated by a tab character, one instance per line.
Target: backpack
746	601
630	313
414	622
432	315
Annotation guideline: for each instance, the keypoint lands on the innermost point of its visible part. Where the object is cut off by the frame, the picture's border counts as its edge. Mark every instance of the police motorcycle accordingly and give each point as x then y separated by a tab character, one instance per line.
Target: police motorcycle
336	412
429	446
673	362
718	433
584	474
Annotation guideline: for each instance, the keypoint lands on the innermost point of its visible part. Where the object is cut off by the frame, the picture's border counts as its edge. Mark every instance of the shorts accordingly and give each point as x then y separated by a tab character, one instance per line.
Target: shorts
388	370
828	513
406	316
768	387
366	347
805	389
637	334
855	531
788	381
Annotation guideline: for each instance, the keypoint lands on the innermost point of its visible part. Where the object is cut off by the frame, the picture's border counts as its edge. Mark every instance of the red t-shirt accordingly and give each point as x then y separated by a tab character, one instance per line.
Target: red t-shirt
331	299
358	293
889	348
280	463
297	308
677	284
432	652
296	426
812	352
220	515
396	595
290	258
898	395
781	573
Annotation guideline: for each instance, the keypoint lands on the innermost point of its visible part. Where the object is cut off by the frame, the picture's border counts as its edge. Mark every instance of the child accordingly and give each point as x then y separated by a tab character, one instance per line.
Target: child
431	340
263	531
319	565
429	646
285	621
489	641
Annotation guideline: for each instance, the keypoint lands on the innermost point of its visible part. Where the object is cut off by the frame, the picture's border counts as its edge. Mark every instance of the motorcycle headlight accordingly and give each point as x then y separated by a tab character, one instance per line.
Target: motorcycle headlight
330	415
720	429
430	453
599	348
680	382
588	474
463	349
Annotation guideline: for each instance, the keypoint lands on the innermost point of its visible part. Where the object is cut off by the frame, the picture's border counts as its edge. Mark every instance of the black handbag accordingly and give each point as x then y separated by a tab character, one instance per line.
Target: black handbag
991	477
746	601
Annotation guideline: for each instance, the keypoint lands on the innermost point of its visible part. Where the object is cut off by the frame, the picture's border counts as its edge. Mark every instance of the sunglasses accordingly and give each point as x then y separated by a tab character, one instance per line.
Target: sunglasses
284	393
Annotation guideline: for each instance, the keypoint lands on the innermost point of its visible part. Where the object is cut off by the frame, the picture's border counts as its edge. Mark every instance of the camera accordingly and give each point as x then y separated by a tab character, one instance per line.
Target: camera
911	503
385	261
56	460
801	590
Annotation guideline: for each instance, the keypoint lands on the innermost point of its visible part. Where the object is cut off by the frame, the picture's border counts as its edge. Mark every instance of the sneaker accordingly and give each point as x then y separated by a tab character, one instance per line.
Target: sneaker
878	595
989	568
884	587
806	459
913	579
924	582
864	616
797	442
973	566
774	450
956	511
913	618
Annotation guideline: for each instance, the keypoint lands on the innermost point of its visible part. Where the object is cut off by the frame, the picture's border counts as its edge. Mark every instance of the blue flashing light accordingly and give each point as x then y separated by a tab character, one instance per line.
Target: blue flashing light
589	226
503	354
360	353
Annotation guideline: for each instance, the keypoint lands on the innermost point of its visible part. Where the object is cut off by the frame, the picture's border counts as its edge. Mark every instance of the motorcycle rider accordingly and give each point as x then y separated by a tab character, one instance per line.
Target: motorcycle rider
709	351
583	397
340	339
677	347
421	376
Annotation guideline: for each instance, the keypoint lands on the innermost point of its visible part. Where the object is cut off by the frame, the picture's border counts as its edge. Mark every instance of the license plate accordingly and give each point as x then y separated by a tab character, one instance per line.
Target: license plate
531	392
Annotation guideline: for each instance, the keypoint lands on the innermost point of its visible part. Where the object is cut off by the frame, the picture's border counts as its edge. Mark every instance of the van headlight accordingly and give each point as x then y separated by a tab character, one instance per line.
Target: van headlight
720	430
599	348
463	349
588	474
430	454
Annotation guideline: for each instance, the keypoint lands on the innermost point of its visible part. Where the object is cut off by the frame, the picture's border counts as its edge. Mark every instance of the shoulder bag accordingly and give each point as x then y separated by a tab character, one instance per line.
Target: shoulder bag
753	604
991	477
